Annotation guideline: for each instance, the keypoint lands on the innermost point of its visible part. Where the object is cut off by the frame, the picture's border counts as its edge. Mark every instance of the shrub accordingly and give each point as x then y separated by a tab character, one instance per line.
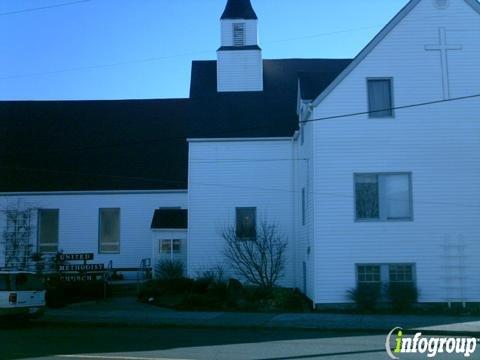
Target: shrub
365	296
402	295
169	269
290	300
214	275
60	293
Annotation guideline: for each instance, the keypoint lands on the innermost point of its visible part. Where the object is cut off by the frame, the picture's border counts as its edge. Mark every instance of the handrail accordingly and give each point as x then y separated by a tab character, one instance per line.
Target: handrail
144	272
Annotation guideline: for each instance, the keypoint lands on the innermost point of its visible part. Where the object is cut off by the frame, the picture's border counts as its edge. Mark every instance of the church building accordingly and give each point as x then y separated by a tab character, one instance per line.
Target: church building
370	167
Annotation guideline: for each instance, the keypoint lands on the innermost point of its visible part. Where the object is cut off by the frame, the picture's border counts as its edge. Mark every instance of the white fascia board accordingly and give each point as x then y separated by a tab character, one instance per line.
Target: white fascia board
97	192
240	139
368	49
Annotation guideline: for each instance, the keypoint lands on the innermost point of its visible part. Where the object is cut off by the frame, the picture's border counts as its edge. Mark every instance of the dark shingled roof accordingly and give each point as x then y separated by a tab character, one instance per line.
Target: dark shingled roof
239	9
141	144
313	83
170	219
239	48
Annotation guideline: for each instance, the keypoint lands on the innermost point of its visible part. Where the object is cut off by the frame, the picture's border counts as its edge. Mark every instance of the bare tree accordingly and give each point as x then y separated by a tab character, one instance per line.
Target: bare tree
260	260
16	237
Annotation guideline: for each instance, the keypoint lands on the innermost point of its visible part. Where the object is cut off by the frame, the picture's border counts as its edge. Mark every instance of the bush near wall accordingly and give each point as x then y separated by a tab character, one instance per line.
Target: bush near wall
394	297
61	293
365	296
209	294
402	296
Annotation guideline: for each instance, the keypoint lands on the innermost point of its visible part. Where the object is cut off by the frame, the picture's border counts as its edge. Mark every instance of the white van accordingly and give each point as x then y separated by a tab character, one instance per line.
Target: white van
21	293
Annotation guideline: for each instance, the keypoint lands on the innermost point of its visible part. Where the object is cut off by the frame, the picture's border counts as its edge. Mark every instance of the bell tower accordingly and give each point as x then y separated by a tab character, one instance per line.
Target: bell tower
239	59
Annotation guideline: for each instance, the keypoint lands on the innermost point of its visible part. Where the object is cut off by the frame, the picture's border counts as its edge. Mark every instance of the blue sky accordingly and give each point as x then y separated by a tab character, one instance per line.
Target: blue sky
117	49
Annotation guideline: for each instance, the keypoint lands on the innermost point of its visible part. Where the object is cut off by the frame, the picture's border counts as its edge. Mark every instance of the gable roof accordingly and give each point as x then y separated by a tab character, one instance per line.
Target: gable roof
239	9
311	84
141	144
375	41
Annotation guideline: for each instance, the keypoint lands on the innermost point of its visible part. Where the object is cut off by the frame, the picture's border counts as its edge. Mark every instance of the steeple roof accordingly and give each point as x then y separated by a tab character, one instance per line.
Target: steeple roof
239	9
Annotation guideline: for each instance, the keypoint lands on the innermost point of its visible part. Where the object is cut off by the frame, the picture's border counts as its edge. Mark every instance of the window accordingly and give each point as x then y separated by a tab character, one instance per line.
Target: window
239	34
303	206
302	134
380	99
383	197
169	246
401	273
4	282
369	274
109	231
385	273
246	223
48	230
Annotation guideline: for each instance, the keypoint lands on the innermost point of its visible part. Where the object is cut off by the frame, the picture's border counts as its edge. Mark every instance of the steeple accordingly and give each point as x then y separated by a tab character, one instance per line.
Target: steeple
239	59
239	9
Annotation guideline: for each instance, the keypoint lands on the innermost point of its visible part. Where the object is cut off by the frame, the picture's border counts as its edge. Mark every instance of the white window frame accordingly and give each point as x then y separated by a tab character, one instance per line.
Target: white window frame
385	273
171	251
382	217
41	244
100	242
254	210
372	114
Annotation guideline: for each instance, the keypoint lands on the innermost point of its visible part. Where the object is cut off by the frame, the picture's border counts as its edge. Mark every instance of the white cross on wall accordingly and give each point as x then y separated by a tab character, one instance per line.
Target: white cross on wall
444	48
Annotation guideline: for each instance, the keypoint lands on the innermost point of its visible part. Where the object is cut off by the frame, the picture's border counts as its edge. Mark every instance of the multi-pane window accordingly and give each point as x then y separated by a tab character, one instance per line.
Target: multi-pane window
170	246
401	273
239	34
246	223
369	274
109	230
48	230
383	197
380	98
385	273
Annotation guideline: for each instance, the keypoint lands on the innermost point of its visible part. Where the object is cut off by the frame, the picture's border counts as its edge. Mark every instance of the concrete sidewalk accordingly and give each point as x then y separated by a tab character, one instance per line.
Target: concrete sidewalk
127	311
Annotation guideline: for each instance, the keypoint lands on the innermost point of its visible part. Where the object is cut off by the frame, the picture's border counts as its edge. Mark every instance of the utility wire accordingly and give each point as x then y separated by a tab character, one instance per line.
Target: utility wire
392	108
160	58
14	12
225	133
230	186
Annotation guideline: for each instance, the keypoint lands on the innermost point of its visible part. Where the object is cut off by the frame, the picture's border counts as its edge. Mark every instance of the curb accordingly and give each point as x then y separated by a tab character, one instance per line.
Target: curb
209	324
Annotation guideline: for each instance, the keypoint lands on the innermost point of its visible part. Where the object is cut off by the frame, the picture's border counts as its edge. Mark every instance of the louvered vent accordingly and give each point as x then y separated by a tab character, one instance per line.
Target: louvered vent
239	34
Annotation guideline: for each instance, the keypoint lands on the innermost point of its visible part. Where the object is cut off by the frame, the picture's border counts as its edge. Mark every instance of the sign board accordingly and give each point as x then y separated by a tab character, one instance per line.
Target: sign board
75	278
79	272
82	267
75	257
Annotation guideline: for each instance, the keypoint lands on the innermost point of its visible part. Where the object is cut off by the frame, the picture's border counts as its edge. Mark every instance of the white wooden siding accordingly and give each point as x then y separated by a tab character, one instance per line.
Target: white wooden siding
78	221
224	175
239	70
251	32
439	144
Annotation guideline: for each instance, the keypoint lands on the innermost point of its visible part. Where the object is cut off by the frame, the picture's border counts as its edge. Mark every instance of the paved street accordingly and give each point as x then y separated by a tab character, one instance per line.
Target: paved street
43	341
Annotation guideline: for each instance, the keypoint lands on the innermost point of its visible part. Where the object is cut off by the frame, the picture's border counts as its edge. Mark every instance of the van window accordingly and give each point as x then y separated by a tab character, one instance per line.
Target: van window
28	282
4	282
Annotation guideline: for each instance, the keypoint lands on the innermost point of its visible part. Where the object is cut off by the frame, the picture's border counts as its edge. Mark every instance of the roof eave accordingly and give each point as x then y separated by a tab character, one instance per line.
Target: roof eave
370	46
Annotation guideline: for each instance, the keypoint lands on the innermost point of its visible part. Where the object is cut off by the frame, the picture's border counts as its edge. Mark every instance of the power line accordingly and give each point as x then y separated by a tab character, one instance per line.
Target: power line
325	34
230	186
224	133
392	108
160	58
92	67
14	12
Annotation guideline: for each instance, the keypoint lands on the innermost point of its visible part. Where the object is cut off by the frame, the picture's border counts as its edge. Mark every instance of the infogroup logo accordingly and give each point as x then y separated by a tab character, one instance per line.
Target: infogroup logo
430	346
